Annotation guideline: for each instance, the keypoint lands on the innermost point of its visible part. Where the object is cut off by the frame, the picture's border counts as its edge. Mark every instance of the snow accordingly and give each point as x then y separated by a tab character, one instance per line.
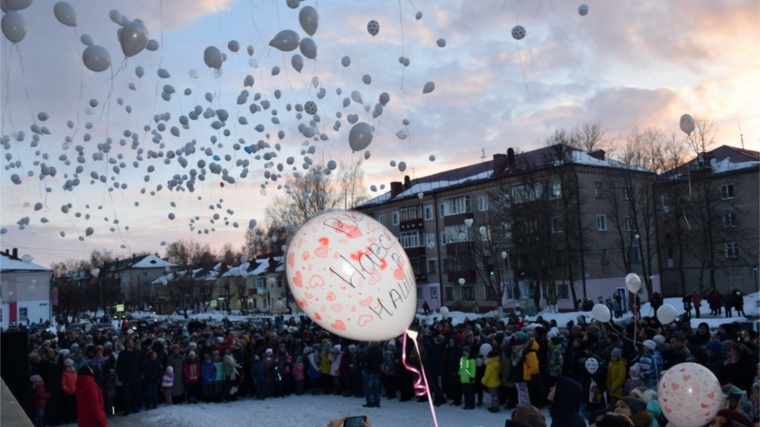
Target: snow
152	261
6	264
423	187
584	158
726	165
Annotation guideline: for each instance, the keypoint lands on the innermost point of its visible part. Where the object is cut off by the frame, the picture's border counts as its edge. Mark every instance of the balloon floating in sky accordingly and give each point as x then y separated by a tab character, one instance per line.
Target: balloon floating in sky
360	136
333	266
65	14
14	26
309	19
687	124
373	27
96	58
429	87
583	10
212	57
134	38
518	32
285	40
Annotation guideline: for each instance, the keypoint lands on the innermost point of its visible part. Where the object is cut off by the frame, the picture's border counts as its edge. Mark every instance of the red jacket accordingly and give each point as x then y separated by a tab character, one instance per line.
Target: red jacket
69	382
90	411
192	371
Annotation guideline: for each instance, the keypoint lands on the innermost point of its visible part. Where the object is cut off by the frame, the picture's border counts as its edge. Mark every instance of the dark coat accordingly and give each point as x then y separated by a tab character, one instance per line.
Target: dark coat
129	366
90	411
565	411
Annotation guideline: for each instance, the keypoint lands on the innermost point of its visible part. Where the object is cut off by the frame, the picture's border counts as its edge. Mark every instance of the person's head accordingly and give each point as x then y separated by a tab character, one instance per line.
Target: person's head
649	346
677	341
613	420
635	409
191	355
714	347
635	370
129	344
152	355
466	350
529	415
616	354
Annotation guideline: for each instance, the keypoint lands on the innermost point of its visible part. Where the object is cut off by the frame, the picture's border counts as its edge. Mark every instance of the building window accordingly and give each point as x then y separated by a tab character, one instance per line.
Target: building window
605	256
23	314
729	219
555	189
446	265
629	224
628	191
598	189
432	266
430	240
732	249
664	203
634	256
527	193
145	273
428	212
556	225
456	206
456	233
441	210
416	266
408	213
434	293
448	293
482	203
279	281
411	239
394	218
381	219
507	227
601	222
468	293
727	191
444	238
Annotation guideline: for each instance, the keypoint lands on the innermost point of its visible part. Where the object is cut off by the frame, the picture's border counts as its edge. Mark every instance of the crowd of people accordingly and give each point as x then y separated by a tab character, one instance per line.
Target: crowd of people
89	375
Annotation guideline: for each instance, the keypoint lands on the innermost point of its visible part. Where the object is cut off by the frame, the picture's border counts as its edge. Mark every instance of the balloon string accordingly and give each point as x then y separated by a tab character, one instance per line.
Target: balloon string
420	383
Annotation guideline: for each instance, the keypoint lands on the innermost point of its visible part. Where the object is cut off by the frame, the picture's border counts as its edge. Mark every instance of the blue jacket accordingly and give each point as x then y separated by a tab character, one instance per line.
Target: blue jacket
651	368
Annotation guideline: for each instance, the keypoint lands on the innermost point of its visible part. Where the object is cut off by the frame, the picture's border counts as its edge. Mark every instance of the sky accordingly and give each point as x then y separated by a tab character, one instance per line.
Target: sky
624	65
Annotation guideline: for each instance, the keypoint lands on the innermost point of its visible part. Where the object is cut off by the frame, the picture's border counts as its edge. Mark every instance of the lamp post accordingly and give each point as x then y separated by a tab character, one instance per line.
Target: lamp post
508	275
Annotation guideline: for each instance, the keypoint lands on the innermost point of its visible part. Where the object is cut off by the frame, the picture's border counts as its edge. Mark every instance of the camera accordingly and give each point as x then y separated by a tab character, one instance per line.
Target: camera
357	421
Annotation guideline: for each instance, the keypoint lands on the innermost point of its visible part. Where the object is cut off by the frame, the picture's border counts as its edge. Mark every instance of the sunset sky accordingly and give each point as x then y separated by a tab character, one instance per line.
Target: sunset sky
624	65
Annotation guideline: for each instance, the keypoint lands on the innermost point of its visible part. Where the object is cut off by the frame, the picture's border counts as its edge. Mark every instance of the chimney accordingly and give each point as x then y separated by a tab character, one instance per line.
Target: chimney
597	154
510	157
407	182
15	253
396	189
499	163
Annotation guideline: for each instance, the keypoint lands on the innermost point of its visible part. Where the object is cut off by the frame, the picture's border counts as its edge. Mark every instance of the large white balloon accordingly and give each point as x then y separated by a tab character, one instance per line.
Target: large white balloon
96	58
444	311
212	57
134	38
666	314
360	136
601	313
592	365
689	395
633	282
485	348
14	26
687	124
351	276
309	19
285	40
65	14
17	4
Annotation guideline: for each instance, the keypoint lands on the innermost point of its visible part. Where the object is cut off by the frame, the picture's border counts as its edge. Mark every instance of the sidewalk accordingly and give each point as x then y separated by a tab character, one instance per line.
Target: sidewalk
11	414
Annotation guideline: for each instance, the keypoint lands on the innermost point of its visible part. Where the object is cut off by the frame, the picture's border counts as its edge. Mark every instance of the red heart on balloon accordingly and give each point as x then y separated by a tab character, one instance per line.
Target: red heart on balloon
292	260
298	280
366	302
317	316
331	296
668	410
686	377
675	386
665	400
337	308
323	249
704	405
339	325
364	319
711	395
305	256
398	274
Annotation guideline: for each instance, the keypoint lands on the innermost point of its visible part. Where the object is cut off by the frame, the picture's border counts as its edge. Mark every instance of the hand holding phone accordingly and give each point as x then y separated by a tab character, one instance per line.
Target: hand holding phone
357	421
734	400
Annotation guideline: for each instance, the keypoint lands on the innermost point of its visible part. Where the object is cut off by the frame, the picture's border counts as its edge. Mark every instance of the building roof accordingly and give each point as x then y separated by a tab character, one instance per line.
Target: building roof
9	263
724	159
530	161
144	261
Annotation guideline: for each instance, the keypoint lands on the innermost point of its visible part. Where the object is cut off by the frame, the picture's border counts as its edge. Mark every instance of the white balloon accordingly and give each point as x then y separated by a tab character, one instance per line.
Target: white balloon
285	40
441	42
279	304
583	10
418	16
518	32
431	158
666	314
65	14
308	48
367	79
134	38
429	87
485	348
633	282
373	27
86	40
360	136
297	62
356	96
212	57
13	26
601	313
401	134
115	16
444	311
96	58
309	19
687	124
233	46
95	272
592	365
462	281
152	45
17	4
345	61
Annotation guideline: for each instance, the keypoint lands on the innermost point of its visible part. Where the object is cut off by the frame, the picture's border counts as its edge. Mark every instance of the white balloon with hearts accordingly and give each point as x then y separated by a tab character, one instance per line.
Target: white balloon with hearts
690	395
351	276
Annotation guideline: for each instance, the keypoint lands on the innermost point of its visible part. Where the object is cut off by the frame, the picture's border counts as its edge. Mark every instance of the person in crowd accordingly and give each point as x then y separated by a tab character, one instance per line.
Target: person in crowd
728	417
526	416
649	396
491	379
716	358
152	373
696	300
176	361
434	347
40	398
728	303
651	364
371	372
616	375
687	303
679	351
90	411
566	397
635	409
634	379
69	387
737	367
231	375
298	376
129	372
716	302
208	378
167	384
467	377
388	369
739	302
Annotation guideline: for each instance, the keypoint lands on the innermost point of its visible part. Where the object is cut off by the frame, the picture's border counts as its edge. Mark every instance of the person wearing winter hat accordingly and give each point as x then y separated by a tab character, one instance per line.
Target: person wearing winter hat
526	416
616	375
566	397
651	364
635	409
39	400
634	380
649	396
467	377
613	420
90	412
69	387
167	384
729	417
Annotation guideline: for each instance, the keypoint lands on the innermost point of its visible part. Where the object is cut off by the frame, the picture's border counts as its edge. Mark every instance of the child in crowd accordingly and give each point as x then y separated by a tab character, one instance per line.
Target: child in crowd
69	387
634	380
208	378
467	377
615	375
39	400
298	375
167	385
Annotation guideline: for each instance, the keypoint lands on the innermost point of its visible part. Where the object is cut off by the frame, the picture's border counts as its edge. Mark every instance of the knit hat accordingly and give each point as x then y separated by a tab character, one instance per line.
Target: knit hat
466	348
613	420
617	353
553	332
636	368
64	352
643	393
715	346
35	379
650	345
269	351
659	339
522	337
635	404
337	347
352	347
169	369
467	333
68	362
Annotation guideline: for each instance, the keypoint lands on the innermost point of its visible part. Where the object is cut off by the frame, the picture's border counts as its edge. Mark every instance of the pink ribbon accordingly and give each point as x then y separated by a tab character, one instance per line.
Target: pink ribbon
420	380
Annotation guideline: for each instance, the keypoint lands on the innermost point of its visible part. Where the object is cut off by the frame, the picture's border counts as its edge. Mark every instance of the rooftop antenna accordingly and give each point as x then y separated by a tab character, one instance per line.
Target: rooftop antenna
741	135
483	155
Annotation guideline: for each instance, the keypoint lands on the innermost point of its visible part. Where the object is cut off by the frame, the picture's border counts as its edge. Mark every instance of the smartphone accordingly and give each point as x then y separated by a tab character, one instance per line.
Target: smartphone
733	400
357	421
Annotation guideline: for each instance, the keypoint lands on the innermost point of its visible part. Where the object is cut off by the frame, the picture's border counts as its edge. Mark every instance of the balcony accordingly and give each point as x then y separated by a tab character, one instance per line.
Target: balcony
470	276
412	224
456	219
